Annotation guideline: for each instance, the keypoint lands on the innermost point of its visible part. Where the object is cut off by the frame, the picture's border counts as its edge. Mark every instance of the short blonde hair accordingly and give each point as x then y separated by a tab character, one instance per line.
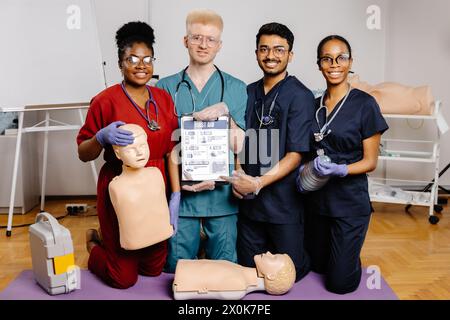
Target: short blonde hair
283	280
204	16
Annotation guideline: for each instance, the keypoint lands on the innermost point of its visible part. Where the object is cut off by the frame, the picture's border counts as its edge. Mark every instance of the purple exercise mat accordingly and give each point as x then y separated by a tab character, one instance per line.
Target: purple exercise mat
311	287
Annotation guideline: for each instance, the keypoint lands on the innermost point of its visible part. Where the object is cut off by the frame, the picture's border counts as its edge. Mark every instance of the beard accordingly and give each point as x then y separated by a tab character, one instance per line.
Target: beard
272	72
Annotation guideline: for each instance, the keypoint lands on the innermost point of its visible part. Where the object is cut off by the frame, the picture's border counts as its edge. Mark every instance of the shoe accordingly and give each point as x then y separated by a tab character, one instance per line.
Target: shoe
92	239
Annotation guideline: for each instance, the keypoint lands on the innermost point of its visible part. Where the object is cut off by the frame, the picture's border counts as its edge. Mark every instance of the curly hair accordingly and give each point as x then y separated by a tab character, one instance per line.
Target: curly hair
283	280
134	32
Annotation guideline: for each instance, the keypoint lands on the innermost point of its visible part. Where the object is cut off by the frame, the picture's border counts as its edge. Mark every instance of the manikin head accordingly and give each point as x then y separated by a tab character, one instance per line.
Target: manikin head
278	272
134	155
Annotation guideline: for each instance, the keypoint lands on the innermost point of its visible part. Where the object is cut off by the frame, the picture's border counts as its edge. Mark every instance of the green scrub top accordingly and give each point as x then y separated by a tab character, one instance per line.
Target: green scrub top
220	201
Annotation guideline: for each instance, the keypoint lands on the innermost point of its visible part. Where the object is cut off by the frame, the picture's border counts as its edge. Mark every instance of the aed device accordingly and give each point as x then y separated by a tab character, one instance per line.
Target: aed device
52	255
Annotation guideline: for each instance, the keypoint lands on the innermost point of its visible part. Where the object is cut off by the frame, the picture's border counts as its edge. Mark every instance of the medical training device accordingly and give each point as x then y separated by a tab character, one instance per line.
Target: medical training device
309	178
52	256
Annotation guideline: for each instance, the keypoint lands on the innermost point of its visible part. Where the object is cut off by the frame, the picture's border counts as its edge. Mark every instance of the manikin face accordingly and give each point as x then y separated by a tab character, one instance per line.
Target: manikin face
134	155
268	264
203	42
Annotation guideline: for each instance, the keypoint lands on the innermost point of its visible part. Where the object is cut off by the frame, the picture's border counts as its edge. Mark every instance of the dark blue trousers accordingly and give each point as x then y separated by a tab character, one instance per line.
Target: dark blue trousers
256	237
334	245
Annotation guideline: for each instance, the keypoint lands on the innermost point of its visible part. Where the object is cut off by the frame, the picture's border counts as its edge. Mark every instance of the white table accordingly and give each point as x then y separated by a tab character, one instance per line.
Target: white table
45	126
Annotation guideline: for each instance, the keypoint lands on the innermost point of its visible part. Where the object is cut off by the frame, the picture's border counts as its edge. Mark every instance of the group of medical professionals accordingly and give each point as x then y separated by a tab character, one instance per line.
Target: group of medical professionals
263	206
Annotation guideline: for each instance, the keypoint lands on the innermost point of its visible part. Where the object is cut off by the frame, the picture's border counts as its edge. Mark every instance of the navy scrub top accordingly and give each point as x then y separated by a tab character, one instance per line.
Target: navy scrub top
359	118
293	113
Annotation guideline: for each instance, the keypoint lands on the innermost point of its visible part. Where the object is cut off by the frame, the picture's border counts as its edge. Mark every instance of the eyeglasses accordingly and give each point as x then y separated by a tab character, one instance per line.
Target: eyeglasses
197	39
278	52
134	60
342	60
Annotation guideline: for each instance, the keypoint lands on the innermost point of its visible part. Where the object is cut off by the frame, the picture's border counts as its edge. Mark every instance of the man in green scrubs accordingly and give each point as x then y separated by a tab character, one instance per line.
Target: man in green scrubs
204	91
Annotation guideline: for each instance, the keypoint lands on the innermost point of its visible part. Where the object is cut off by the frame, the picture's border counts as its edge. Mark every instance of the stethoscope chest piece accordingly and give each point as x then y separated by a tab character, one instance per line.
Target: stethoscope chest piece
267	120
154	126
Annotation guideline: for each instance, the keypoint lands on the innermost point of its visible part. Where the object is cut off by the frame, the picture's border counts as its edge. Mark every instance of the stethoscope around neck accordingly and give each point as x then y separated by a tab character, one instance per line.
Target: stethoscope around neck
183	81
325	130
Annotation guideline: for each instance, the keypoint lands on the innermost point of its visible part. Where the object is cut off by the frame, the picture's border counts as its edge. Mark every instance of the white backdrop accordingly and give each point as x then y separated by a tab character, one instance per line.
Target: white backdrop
412	47
42	60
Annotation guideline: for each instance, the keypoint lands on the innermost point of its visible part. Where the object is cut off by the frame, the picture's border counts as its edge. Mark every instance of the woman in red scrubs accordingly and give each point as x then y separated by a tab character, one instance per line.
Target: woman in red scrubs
132	101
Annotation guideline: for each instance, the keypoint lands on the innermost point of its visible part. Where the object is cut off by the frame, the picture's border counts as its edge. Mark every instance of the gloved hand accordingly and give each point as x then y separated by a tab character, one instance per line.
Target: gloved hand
113	135
212	112
174	208
202	186
329	168
244	184
299	181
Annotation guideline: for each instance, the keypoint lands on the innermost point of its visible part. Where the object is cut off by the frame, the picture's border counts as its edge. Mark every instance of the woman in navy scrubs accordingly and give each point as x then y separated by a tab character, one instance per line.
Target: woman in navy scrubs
347	129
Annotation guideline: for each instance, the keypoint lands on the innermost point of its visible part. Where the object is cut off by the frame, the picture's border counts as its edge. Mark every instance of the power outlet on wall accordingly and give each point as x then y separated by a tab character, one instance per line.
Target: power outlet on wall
76	208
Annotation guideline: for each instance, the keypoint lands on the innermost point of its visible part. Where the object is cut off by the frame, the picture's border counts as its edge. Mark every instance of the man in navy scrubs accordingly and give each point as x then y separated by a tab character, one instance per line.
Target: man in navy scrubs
278	119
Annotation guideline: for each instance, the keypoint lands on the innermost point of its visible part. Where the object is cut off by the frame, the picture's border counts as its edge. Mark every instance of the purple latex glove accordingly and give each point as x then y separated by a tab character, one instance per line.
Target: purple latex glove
174	208
329	168
298	180
113	135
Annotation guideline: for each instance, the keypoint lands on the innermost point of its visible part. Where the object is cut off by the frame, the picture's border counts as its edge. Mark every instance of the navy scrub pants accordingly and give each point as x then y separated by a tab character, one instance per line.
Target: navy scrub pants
334	245
256	237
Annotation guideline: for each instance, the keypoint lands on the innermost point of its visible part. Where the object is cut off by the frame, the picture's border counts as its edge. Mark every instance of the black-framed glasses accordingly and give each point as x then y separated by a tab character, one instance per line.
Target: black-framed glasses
135	60
278	51
342	60
197	39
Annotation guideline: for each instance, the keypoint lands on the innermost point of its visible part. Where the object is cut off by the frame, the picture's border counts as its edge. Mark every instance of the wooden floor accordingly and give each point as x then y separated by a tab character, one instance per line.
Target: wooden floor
413	255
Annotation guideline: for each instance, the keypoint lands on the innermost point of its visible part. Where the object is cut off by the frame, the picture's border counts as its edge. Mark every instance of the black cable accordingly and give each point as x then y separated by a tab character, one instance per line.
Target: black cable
57	218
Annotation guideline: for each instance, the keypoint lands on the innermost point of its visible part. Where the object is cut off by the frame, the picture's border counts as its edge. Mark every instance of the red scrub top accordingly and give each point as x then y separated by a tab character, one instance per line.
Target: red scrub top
113	105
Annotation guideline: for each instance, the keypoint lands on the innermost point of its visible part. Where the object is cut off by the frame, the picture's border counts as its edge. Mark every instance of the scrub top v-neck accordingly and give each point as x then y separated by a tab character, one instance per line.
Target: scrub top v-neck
292	114
360	118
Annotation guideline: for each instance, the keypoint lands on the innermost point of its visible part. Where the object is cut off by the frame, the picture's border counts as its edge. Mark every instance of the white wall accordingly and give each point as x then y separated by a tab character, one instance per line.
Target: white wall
412	47
418	53
66	174
310	21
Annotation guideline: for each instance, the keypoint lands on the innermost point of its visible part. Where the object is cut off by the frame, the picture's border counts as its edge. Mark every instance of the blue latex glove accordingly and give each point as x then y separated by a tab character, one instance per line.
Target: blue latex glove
113	135
330	169
298	180
174	208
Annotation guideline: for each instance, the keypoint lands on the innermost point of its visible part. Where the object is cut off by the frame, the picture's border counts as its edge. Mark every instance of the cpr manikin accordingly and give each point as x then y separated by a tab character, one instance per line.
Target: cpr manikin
138	195
395	98
225	280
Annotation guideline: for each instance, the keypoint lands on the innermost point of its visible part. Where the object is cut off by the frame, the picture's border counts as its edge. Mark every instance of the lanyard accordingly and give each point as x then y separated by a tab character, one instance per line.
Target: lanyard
151	124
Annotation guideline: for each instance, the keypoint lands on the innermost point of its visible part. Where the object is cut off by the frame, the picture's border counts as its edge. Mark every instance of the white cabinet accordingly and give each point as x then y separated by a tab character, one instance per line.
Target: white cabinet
27	192
381	189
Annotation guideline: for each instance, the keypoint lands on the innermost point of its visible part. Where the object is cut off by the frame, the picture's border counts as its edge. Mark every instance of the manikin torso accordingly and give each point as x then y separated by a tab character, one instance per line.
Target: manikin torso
139	198
225	280
214	279
395	98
